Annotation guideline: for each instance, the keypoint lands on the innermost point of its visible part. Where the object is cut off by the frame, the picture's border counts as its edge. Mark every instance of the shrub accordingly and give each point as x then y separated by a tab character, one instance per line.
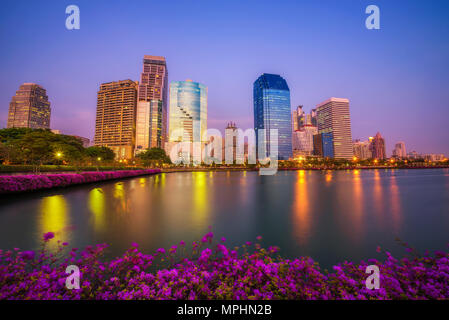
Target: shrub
213	271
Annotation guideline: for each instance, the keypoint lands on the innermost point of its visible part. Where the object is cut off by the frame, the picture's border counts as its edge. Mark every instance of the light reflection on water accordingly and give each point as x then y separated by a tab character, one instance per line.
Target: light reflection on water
331	216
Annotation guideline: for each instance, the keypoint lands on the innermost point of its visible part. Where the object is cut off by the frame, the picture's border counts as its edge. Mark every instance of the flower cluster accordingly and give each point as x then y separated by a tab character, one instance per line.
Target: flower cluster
214	271
18	183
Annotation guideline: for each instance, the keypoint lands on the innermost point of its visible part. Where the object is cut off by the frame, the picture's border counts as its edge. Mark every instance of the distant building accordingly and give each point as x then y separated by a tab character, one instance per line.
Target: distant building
313	116
301	119
323	145
328	145
362	149
235	143
271	97
29	108
333	117
116	117
84	141
152	101
295	118
399	150
303	140
318	145
377	147
434	157
414	155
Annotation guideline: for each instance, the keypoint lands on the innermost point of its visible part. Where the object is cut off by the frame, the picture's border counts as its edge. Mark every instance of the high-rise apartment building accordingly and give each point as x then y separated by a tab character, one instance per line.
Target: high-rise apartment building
151	118
116	117
399	150
272	111
303	140
333	117
29	108
377	147
362	149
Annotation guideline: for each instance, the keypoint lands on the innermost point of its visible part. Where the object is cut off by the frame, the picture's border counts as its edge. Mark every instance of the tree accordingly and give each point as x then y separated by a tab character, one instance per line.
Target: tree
104	153
38	146
153	156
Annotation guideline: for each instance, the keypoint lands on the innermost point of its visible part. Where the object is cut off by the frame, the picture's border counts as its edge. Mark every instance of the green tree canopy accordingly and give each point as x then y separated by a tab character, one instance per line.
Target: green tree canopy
96	152
153	155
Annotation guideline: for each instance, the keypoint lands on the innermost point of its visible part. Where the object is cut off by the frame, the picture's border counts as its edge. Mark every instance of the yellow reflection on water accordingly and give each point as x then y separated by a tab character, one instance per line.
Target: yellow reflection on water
378	195
395	203
142	182
301	209
357	205
96	203
200	201
328	177
119	194
54	217
163	175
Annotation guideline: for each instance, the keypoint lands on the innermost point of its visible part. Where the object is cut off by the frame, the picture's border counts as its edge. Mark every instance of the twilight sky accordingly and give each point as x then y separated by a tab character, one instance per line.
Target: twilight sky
396	78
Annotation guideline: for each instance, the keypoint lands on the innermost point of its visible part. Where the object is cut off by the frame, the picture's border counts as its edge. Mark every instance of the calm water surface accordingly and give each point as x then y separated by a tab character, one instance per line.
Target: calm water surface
330	216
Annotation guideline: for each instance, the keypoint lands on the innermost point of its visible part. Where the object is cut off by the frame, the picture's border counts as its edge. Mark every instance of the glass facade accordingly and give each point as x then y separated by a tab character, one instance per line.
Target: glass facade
188	111
29	108
328	145
151	118
272	111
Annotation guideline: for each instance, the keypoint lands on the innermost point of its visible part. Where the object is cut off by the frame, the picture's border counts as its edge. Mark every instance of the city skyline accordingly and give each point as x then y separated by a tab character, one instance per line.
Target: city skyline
382	103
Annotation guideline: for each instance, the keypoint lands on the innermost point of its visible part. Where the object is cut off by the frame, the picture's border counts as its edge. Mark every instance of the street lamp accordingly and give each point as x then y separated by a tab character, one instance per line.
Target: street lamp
99	158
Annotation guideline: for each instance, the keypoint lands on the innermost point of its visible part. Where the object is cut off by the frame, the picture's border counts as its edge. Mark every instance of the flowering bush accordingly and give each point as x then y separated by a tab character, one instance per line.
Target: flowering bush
19	183
213	271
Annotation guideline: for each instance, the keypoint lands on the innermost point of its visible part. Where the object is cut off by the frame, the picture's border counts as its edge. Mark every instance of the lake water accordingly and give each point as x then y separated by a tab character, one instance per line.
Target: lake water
330	216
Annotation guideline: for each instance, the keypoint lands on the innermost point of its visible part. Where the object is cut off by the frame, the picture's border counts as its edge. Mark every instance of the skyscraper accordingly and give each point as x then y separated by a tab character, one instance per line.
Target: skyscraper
29	108
296	118
399	150
333	117
362	149
272	111
151	122
116	116
323	145
303	140
188	111
378	147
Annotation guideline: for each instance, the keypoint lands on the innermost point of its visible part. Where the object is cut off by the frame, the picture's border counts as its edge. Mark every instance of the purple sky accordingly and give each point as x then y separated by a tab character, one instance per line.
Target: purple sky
396	78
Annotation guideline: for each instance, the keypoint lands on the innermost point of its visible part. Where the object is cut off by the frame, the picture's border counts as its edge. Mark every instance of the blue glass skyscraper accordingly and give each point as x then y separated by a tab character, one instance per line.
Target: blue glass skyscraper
272	111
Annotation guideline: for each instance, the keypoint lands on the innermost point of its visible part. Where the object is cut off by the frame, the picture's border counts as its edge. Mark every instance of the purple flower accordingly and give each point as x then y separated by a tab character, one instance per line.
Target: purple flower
27	255
48	236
